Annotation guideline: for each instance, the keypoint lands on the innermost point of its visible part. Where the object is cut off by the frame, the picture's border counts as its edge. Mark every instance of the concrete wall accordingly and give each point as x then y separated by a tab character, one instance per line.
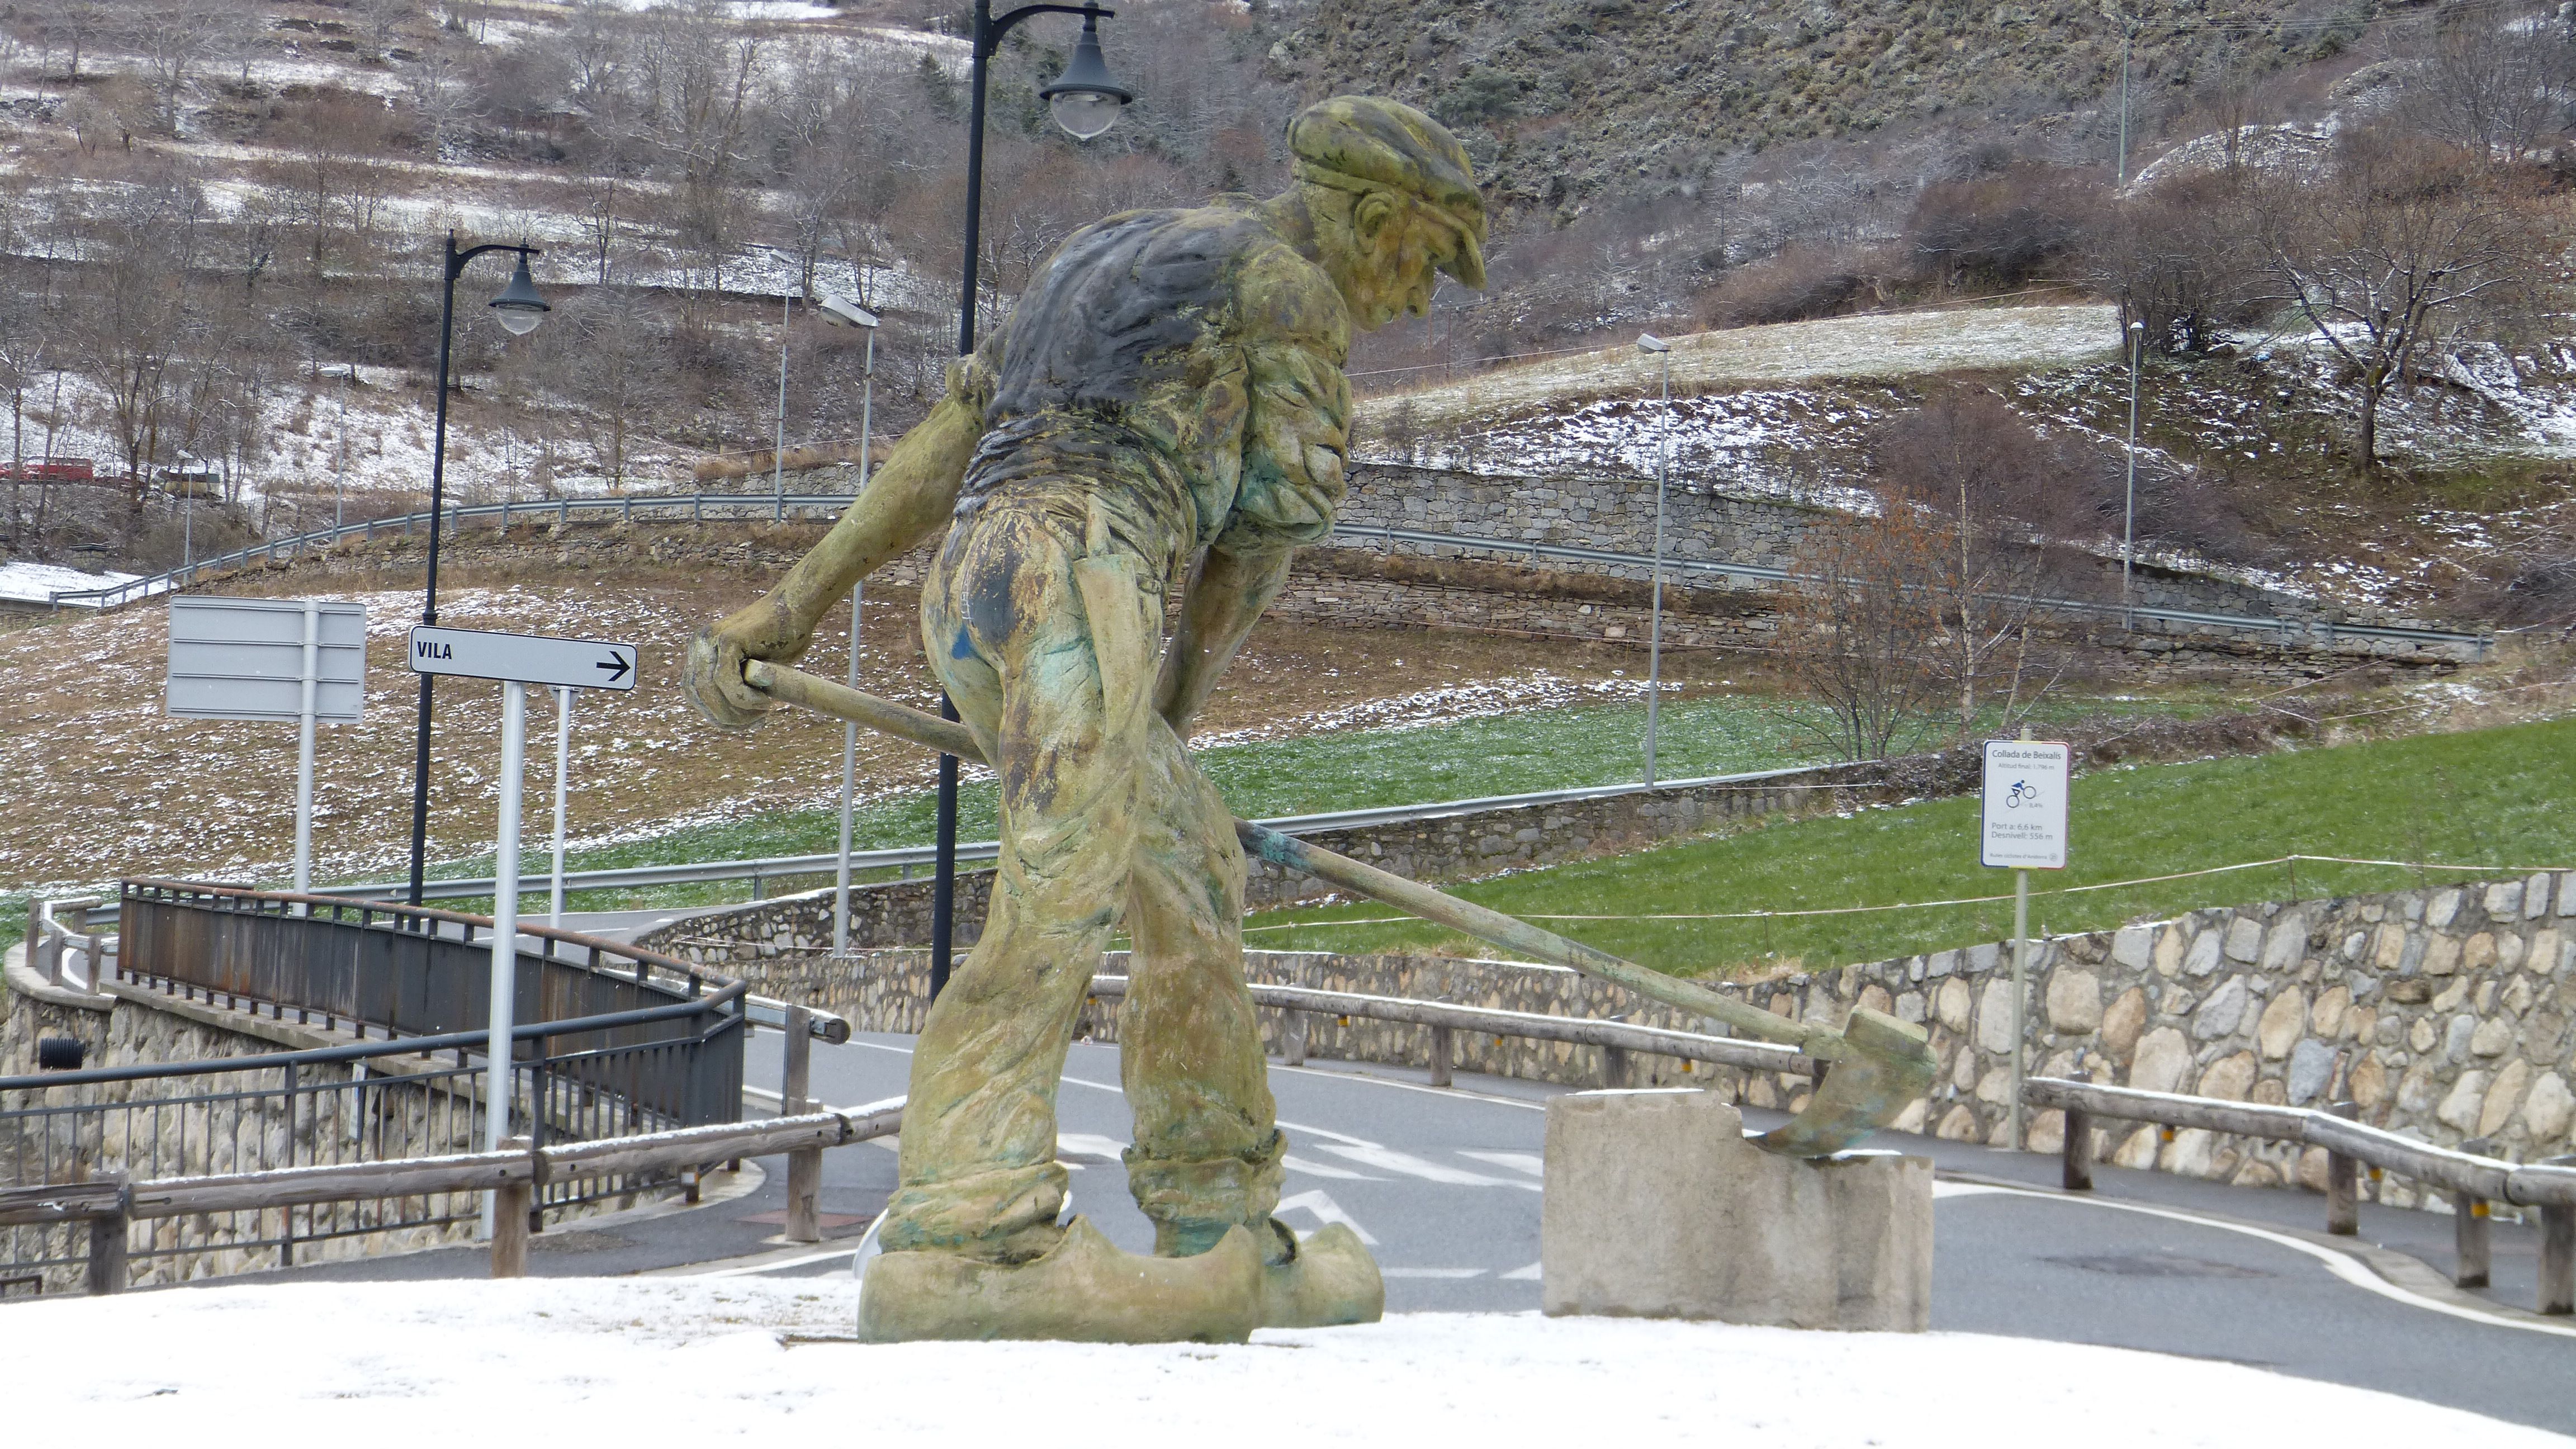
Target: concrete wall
2446	1013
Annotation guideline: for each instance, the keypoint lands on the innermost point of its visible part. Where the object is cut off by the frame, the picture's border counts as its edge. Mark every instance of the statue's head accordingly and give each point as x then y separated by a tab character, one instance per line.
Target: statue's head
1394	201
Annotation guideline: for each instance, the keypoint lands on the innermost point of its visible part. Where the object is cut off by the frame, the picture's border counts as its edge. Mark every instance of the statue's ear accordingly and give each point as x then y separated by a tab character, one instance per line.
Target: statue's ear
1374	213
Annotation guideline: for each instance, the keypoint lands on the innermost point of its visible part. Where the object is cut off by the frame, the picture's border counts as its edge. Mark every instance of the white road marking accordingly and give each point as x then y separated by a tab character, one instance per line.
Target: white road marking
2342	1265
1325	1132
1088	1144
1458	1094
1321	1204
1529	1162
776	1267
1529	1274
1431	1272
1294	1163
1386	1159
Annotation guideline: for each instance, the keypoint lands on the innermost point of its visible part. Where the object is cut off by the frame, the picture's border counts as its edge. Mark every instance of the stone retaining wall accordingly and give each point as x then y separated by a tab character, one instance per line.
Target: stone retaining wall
2446	1013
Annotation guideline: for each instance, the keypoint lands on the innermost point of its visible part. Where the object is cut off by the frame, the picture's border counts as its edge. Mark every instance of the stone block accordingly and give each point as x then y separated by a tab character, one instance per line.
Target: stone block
1658	1207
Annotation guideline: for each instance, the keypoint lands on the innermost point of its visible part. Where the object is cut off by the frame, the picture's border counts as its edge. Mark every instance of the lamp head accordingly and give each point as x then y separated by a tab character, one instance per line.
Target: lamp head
840	311
1086	99
1650	343
519	306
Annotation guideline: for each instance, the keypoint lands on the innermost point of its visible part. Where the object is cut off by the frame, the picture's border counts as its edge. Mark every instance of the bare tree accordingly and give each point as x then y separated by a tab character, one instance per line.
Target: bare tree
1987	491
2496	83
134	335
1856	636
2405	241
173	38
2177	258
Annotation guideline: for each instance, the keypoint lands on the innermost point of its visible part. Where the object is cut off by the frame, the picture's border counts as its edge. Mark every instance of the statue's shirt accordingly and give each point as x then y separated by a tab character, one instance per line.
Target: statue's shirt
1178	375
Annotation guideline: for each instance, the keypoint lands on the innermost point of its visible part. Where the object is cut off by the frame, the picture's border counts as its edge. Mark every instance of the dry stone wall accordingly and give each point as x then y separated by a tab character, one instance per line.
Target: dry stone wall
2446	1014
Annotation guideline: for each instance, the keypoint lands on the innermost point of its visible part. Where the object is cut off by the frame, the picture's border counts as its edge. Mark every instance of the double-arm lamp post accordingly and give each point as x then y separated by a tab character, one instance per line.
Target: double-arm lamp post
1086	101
520	310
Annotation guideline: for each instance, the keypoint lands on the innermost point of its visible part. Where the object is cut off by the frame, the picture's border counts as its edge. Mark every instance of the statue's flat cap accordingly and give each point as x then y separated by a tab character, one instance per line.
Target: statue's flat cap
1389	144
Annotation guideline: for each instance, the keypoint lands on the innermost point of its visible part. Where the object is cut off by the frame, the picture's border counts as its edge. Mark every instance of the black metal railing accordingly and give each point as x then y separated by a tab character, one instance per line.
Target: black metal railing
618	1041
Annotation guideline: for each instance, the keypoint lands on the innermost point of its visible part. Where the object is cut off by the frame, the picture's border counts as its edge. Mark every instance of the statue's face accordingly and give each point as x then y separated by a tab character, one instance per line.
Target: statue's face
1385	256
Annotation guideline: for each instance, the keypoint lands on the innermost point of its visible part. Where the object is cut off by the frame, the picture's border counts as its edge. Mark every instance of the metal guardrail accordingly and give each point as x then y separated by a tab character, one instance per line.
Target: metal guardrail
697	507
759	870
2326	630
2471	1178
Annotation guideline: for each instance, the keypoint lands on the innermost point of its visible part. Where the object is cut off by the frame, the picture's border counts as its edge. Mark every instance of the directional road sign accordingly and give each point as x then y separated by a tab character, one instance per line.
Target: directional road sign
523	658
2024	821
244	659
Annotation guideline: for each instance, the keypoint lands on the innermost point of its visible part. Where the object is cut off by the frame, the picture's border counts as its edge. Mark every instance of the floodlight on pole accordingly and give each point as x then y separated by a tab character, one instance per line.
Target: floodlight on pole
1662	352
840	311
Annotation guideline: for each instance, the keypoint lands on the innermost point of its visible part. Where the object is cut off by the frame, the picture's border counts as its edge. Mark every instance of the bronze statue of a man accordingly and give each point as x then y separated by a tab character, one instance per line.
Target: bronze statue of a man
1164	408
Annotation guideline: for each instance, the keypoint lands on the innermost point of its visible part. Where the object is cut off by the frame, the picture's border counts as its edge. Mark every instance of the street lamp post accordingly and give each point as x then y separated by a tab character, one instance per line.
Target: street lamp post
520	310
1662	352
2129	503
841	311
1085	101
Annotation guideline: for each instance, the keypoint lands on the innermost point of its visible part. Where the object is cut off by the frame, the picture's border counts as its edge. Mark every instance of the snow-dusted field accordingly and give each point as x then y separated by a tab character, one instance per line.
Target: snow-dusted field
36	582
1897	345
691	1360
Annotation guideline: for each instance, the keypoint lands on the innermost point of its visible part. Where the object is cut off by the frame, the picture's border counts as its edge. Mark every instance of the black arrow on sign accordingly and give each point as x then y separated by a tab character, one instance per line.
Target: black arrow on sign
616	665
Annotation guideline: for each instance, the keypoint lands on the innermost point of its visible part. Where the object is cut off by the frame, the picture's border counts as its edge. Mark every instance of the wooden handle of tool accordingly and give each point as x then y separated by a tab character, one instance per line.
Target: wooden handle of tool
796	687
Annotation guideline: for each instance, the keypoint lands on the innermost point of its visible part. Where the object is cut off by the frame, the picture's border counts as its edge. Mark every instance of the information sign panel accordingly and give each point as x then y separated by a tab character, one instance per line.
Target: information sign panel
244	659
523	658
2024	822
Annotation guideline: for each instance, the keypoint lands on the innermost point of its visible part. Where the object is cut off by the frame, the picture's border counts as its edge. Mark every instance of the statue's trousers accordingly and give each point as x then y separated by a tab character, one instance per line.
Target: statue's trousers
1047	635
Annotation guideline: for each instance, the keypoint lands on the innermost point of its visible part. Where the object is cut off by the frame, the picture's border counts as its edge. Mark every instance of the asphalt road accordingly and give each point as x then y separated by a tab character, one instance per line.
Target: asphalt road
1444	1185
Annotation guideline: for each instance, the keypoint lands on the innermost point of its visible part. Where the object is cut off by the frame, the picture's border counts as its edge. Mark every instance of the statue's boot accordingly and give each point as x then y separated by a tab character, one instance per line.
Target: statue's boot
1083	1290
1326	1280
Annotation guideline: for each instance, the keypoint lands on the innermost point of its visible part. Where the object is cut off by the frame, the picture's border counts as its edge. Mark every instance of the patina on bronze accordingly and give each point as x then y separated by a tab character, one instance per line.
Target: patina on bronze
1165	408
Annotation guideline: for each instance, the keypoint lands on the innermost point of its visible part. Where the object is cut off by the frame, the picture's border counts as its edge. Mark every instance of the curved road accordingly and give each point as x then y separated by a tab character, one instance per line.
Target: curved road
1445	1183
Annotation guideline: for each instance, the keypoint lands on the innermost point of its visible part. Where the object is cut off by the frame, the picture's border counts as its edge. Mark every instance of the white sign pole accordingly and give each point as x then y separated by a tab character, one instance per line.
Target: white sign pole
563	762
304	749
849	778
498	1085
2021	996
2023	827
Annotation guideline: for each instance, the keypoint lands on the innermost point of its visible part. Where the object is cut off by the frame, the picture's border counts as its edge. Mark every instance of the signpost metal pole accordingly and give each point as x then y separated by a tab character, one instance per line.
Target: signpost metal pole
497	1089
563	764
304	749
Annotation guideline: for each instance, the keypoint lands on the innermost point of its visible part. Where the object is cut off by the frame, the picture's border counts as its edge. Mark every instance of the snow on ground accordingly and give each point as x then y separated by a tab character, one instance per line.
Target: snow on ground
37	582
694	1360
1887	346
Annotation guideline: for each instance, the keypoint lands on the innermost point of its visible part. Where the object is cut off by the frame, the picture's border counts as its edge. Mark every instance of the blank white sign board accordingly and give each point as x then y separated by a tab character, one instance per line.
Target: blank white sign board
244	659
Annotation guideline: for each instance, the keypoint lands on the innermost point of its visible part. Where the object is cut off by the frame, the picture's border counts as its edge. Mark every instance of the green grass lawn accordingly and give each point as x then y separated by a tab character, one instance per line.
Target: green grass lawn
1499	755
2501	797
1711	734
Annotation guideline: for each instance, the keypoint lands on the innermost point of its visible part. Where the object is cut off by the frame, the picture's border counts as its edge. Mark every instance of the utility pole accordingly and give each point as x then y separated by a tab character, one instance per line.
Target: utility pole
2128	33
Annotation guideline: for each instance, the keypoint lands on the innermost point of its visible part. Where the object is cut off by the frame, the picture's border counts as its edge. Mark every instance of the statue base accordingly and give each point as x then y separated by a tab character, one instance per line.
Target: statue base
1658	1207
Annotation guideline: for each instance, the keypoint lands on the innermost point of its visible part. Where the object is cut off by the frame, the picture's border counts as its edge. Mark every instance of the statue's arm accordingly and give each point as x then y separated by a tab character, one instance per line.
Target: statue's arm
1226	595
906	500
1296	435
